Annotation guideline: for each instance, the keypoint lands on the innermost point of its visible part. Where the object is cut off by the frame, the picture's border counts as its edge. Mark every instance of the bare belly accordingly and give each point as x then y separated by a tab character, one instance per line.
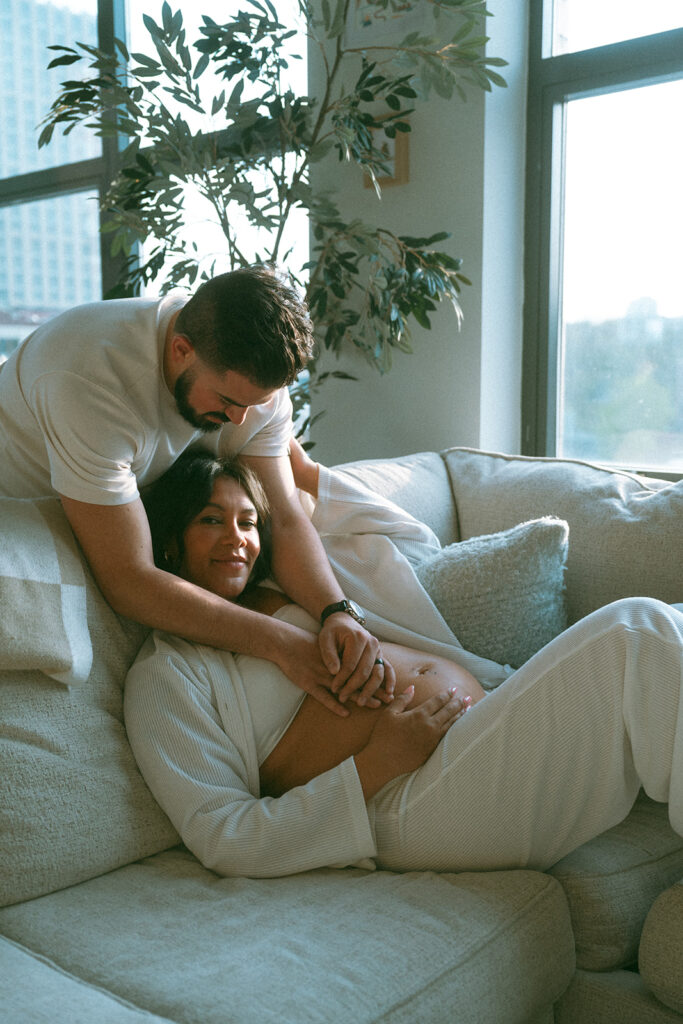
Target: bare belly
317	740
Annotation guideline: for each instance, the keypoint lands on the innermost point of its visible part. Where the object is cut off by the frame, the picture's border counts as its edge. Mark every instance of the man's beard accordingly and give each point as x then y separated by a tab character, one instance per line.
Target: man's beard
181	393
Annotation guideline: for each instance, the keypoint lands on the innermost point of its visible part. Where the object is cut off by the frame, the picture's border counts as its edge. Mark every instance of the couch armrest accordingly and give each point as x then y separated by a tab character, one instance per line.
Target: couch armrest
660	957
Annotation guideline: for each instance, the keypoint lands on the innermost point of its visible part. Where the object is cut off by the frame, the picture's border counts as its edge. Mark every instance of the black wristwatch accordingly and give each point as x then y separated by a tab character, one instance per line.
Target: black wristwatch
350	607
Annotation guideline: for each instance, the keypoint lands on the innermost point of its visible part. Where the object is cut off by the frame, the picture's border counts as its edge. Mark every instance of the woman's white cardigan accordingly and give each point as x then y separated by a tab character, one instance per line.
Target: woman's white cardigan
189	723
190	728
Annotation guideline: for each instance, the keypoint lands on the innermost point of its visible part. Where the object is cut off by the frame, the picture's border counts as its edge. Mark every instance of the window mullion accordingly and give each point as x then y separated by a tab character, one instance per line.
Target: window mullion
111	24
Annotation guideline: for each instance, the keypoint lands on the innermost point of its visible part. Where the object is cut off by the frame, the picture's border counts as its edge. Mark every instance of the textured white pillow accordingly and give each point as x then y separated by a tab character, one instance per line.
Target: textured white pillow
502	594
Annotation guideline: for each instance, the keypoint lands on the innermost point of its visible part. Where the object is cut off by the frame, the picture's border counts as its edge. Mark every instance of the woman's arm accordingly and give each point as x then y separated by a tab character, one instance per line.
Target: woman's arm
198	774
402	740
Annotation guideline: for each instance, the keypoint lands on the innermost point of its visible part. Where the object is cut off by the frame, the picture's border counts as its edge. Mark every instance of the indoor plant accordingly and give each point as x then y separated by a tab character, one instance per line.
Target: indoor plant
243	138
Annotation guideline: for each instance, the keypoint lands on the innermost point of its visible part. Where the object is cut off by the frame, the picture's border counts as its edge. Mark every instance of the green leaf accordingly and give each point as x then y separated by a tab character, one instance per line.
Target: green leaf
202	65
122	48
166	17
143	59
66	59
337	24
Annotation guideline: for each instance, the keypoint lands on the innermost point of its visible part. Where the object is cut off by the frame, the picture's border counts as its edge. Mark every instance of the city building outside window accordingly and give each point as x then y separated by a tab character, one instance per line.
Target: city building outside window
49	244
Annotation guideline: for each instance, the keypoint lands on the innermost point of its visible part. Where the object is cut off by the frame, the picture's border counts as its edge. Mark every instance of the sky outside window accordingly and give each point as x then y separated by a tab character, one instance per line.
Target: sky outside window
585	24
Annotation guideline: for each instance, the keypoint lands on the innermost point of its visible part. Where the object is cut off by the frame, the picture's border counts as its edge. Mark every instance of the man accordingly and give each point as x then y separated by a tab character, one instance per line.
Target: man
101	400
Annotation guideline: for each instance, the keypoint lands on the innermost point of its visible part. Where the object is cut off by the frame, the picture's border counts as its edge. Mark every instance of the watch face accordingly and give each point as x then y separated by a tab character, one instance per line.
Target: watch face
350	607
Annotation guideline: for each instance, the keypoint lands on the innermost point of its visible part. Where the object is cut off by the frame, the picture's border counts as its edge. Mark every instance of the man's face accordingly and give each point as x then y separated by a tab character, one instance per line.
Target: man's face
208	399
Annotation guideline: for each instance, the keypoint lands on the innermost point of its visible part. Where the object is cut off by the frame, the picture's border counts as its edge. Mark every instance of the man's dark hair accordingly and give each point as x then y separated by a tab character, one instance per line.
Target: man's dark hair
251	321
180	494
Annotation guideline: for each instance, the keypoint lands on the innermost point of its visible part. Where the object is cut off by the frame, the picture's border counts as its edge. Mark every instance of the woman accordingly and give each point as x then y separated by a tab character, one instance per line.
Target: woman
261	780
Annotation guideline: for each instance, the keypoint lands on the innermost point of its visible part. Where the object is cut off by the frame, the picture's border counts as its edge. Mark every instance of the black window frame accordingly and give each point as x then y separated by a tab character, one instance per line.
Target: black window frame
552	81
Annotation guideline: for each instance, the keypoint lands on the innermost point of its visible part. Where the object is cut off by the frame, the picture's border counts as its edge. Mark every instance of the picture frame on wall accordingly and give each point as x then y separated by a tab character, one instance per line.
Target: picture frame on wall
396	152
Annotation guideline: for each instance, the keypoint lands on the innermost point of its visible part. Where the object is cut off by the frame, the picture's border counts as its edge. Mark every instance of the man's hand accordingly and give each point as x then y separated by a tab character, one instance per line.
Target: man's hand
354	658
301	661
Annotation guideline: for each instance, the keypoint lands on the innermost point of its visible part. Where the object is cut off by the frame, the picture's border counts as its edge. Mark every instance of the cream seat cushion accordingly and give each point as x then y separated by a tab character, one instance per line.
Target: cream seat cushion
351	946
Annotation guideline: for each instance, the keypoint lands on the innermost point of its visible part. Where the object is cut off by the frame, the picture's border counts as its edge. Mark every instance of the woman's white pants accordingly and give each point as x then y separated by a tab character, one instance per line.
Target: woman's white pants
554	756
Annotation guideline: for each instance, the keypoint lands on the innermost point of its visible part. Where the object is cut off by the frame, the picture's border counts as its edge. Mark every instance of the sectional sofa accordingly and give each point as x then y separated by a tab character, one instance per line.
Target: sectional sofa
106	917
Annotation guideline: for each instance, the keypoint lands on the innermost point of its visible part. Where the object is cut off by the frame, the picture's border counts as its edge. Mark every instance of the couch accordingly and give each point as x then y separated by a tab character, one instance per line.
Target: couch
106	917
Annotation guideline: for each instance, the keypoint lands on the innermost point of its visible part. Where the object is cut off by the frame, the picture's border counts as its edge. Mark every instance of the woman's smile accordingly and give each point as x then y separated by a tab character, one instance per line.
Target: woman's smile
221	544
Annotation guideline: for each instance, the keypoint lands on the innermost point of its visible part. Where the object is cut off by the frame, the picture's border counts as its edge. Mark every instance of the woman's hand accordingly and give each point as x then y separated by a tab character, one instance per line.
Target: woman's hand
403	739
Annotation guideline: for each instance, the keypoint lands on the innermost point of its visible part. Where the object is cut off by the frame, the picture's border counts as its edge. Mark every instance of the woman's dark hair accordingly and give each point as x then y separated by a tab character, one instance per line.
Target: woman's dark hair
173	501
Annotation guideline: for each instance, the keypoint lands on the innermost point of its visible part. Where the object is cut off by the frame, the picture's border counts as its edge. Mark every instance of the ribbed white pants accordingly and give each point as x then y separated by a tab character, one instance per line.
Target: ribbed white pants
554	756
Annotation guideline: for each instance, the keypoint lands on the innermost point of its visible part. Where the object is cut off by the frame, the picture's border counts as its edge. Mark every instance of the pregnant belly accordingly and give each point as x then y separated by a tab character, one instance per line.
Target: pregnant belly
318	740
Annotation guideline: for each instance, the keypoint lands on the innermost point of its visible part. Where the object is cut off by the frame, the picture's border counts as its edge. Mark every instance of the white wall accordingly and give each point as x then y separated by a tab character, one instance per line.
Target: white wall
466	177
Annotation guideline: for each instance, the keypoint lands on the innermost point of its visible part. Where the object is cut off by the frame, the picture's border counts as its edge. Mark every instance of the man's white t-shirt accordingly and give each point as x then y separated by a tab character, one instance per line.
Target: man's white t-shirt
85	410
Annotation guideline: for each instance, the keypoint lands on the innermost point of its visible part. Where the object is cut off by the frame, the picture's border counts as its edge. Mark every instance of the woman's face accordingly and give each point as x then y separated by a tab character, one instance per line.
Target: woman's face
222	542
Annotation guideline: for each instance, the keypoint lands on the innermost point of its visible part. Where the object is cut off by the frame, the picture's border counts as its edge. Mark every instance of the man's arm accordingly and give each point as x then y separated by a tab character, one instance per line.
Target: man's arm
301	567
117	544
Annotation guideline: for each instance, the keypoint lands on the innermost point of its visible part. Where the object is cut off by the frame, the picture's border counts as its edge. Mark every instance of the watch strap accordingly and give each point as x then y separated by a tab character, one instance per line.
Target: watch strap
340	606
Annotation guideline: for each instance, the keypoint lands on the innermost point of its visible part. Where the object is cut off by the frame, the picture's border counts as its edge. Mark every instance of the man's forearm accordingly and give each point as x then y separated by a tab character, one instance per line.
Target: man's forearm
164	601
302	569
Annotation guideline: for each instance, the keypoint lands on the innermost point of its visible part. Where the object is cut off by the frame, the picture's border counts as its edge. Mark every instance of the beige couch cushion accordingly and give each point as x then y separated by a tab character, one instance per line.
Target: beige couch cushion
618	997
72	802
34	991
661	948
612	881
350	946
42	592
625	536
418	483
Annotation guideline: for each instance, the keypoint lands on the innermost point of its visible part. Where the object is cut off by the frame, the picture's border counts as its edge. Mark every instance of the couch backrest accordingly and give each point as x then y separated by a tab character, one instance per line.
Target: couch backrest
72	802
418	483
625	531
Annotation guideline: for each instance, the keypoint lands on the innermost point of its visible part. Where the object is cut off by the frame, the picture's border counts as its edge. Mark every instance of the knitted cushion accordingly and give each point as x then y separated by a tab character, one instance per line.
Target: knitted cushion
502	594
42	592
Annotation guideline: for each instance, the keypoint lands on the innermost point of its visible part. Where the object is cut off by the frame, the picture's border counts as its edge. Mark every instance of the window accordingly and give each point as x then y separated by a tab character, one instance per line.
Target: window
49	216
603	358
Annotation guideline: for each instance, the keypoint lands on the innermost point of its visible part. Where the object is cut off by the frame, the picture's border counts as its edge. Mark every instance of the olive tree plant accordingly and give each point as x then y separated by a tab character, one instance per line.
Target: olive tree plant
214	120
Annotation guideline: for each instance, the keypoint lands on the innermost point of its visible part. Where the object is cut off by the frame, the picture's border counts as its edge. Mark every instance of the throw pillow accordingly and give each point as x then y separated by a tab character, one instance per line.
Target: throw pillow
42	592
502	594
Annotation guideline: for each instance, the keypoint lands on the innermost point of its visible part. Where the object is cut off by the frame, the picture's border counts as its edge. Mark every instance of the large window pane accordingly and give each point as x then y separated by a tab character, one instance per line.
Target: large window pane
621	358
27	88
584	24
49	261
